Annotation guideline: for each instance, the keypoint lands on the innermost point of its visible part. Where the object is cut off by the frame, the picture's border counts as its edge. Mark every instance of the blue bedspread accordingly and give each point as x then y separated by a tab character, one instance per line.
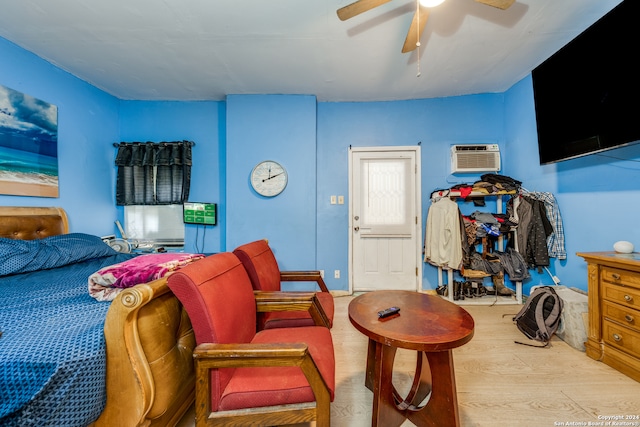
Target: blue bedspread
52	348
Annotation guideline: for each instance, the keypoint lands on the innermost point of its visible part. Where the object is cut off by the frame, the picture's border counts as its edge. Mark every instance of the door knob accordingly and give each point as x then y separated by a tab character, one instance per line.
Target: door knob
356	228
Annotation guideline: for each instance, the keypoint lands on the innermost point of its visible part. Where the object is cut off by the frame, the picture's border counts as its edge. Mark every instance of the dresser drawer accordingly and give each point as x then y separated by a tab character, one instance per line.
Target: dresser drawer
623	338
620	277
624	295
621	314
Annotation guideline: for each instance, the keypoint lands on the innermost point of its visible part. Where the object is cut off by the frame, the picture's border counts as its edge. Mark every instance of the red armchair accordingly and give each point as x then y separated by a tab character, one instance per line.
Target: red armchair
271	377
265	275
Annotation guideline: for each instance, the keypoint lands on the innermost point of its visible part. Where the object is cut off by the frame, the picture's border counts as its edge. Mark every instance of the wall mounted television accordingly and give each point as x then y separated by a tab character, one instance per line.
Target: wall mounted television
587	95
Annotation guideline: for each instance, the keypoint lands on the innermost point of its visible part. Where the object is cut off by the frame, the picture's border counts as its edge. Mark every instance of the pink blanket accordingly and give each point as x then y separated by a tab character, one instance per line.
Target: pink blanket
108	282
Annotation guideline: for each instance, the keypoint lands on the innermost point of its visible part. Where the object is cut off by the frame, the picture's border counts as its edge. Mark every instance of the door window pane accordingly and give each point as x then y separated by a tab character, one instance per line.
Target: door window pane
385	207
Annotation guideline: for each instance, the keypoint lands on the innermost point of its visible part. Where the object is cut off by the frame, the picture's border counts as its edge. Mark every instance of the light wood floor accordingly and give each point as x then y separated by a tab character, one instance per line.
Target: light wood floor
499	383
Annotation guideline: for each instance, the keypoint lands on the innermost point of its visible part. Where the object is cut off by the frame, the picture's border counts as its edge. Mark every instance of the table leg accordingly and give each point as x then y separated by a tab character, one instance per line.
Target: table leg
371	361
421	386
441	410
385	411
434	375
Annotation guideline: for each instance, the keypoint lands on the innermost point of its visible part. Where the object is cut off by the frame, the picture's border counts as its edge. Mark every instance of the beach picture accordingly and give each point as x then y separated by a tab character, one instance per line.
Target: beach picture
28	145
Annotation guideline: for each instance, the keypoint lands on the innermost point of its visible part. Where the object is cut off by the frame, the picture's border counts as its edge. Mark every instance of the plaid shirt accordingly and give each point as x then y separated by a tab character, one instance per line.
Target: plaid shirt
555	242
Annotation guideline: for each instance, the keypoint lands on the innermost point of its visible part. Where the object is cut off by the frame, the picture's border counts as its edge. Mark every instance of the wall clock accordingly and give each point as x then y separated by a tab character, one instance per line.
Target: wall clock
269	178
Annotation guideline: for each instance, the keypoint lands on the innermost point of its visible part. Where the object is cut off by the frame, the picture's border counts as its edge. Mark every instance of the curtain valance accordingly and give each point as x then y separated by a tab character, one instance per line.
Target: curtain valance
152	173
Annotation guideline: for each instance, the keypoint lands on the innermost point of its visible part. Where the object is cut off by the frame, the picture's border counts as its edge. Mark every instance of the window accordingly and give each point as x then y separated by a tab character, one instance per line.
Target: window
154	225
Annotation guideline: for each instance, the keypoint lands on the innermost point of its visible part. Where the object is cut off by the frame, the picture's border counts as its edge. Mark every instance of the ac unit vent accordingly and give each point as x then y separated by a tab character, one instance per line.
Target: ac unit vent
475	158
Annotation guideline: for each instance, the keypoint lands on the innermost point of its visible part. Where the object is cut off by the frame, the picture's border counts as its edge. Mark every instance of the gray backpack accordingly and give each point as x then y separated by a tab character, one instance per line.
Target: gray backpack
540	316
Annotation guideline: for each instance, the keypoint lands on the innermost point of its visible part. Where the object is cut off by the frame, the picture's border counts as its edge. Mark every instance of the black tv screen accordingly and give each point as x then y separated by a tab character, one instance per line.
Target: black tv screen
587	95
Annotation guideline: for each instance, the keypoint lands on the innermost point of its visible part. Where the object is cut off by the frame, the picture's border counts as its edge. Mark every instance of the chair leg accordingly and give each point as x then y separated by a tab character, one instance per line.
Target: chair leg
323	408
203	396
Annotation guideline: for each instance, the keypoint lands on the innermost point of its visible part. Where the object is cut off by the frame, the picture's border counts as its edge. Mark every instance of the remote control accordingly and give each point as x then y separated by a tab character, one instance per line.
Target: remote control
388	312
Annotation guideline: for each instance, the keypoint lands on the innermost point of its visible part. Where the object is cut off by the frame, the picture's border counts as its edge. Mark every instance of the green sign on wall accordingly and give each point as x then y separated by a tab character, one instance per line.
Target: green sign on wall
200	213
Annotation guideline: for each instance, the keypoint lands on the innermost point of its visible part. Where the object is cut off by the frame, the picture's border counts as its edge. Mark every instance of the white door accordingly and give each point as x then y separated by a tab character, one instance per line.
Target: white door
384	209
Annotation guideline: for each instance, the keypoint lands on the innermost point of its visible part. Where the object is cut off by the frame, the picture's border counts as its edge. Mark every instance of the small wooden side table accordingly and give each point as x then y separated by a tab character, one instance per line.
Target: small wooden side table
432	327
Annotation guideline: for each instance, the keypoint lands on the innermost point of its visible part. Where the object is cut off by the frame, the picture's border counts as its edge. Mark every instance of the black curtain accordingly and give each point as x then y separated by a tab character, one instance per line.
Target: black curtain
153	173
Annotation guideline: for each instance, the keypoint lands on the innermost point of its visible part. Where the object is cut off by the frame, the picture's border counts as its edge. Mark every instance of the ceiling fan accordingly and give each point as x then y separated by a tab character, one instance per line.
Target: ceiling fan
419	19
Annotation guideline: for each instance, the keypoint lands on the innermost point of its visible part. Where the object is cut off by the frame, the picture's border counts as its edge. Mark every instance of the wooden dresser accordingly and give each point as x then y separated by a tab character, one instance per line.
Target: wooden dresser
614	310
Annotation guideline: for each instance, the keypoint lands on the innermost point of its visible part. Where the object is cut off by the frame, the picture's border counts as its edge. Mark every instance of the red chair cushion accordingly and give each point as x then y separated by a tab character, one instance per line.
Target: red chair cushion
261	265
217	295
262	268
257	387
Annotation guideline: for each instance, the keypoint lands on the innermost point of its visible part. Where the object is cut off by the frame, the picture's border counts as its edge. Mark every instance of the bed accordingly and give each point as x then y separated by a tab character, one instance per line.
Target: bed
134	365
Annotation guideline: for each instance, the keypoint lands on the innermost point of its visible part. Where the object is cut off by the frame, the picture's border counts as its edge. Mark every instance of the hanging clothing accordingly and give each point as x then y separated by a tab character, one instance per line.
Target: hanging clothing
477	263
532	232
443	236
555	242
514	265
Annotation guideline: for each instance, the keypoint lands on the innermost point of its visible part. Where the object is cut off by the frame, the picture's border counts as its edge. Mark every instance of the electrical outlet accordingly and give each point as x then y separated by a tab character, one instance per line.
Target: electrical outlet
336	274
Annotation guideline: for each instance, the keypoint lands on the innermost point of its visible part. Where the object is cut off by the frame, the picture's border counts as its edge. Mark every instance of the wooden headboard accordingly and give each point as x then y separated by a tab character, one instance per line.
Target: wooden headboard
30	223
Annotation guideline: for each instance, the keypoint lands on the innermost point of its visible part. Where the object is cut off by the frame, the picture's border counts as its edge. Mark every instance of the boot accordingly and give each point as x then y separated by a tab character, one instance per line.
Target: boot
498	285
468	290
458	290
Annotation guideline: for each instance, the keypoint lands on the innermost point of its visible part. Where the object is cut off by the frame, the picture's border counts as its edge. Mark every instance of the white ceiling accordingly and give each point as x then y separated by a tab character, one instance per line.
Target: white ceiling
207	49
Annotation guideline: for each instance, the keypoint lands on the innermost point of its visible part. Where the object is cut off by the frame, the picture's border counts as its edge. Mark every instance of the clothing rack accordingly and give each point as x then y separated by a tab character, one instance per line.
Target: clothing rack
438	194
455	193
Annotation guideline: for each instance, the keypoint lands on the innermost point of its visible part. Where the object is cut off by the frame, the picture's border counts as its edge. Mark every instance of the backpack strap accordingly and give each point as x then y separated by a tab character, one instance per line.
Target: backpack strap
555	313
542	334
543	326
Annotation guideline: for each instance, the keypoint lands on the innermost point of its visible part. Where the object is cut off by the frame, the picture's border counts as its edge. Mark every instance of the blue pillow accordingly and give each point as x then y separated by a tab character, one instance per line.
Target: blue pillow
22	256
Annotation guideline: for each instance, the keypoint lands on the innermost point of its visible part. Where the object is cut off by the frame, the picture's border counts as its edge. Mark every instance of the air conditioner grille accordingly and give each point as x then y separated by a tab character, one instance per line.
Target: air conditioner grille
475	158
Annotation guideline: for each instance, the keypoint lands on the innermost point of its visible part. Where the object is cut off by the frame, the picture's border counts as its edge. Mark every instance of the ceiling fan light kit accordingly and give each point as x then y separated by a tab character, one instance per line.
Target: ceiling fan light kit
419	19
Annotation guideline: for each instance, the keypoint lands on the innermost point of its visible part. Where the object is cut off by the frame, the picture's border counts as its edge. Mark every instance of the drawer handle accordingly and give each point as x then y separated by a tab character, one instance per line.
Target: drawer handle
628	298
617	337
615	276
628	318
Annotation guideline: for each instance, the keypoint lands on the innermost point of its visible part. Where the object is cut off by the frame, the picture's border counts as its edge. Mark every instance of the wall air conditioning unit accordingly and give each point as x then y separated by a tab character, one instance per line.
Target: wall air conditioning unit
470	158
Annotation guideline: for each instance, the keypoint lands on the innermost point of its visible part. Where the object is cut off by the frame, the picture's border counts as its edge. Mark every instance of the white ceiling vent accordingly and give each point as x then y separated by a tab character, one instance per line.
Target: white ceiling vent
475	158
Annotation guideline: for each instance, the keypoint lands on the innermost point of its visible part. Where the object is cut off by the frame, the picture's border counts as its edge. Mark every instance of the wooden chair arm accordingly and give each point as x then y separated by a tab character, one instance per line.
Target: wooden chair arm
269	301
209	356
304	276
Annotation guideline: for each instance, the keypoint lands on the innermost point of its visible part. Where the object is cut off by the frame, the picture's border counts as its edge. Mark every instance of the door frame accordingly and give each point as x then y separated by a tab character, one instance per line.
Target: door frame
418	204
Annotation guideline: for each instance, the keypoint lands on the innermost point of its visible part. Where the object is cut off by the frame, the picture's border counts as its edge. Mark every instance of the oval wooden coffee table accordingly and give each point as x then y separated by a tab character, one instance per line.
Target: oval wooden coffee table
432	327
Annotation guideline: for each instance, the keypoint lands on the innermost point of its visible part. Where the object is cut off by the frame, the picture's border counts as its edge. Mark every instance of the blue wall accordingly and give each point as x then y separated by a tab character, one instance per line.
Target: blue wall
280	128
598	194
433	123
201	122
87	127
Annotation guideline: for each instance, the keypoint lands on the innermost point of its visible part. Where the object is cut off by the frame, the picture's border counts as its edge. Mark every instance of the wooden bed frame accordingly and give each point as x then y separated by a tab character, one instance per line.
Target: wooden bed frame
149	339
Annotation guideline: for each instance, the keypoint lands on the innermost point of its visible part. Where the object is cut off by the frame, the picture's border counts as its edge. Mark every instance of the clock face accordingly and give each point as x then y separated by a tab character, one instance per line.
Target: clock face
268	178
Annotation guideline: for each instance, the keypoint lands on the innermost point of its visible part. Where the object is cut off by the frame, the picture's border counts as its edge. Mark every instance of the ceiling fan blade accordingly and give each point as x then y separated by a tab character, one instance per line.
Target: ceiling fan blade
358	7
500	4
415	31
